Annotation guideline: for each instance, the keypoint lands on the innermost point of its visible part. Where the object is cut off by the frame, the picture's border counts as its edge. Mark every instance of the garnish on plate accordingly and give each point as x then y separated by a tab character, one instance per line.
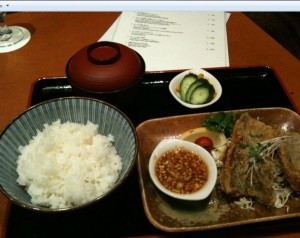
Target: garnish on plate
214	142
222	122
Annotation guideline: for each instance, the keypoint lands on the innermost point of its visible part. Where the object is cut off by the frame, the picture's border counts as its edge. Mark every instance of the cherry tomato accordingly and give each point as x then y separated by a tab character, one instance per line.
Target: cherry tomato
205	142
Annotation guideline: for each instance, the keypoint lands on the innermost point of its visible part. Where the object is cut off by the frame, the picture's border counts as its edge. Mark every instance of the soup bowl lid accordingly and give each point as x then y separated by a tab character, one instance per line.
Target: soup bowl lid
104	67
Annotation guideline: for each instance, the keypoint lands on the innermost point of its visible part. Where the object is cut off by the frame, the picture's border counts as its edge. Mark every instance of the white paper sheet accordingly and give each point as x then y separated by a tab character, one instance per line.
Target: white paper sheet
173	40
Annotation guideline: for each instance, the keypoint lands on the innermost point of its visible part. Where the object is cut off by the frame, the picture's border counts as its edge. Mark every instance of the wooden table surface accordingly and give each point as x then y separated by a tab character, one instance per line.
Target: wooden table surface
56	36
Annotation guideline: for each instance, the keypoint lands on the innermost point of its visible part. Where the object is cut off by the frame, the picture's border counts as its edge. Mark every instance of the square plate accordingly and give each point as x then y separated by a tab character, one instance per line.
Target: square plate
219	210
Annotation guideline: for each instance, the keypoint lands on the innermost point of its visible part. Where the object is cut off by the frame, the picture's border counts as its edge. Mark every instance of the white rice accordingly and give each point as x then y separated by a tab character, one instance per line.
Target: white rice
68	164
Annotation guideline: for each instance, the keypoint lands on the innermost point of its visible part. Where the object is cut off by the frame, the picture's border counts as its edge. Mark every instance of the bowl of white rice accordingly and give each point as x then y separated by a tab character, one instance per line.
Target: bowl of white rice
66	154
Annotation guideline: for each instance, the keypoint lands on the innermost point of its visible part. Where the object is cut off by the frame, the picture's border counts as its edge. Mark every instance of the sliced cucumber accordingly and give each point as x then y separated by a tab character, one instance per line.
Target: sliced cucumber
194	85
202	94
186	83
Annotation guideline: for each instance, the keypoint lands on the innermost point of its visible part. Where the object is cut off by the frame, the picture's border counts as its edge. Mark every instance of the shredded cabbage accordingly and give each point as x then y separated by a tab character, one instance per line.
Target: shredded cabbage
245	203
218	153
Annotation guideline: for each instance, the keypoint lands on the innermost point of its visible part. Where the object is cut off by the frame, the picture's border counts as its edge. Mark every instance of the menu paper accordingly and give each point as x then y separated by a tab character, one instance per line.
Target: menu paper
173	40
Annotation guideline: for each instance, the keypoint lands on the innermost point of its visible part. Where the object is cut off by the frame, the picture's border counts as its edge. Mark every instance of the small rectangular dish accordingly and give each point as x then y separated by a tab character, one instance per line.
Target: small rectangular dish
220	211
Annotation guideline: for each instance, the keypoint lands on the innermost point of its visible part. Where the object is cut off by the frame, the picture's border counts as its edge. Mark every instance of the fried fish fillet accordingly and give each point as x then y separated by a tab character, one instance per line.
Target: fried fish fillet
236	178
289	155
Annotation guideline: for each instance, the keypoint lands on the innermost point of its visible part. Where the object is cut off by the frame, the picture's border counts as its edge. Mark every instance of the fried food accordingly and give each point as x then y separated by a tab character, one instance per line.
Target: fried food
242	174
289	155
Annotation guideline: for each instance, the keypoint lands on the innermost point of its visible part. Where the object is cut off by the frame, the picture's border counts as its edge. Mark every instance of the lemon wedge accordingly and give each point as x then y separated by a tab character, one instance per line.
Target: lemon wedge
219	140
191	135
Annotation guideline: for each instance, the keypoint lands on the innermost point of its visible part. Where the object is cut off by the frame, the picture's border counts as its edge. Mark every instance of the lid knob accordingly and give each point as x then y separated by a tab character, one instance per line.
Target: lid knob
103	53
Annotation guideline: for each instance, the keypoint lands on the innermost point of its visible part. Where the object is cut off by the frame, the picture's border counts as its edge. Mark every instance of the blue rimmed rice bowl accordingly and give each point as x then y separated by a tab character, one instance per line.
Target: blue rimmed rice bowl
22	129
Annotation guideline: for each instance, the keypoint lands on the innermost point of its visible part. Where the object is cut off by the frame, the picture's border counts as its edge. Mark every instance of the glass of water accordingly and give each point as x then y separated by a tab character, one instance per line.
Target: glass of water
9	35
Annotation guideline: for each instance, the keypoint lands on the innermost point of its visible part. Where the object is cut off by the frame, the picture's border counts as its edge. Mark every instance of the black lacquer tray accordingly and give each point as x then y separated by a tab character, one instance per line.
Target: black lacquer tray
122	213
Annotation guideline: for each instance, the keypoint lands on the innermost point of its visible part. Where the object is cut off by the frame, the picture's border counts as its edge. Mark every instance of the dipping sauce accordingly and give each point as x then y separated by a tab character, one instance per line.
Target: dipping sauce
181	171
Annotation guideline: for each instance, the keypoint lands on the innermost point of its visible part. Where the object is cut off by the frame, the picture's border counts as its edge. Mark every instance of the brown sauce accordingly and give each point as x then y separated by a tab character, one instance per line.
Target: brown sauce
181	171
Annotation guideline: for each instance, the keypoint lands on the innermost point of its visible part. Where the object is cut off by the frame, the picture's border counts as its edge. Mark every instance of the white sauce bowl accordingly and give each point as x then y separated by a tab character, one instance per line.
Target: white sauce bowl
172	144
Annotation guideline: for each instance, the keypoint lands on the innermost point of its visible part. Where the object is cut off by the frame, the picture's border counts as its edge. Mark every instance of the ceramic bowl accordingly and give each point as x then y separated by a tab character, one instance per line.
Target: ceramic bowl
212	80
22	129
172	144
106	70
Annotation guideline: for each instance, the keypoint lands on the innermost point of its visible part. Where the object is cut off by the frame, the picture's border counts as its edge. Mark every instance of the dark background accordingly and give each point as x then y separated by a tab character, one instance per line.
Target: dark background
284	27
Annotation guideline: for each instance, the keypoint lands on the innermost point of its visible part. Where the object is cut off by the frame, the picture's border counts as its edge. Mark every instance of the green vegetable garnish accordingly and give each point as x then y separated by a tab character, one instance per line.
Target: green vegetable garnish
222	122
258	152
